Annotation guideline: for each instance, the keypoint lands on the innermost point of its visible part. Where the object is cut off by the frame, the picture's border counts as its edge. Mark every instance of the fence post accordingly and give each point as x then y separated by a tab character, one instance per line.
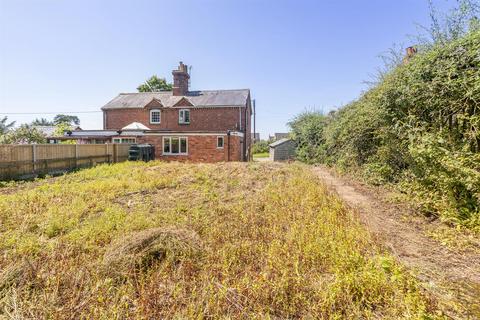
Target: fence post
107	154
34	158
76	156
115	153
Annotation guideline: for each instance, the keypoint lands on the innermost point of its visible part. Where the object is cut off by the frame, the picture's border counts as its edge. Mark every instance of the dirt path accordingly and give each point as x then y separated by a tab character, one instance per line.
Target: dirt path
452	278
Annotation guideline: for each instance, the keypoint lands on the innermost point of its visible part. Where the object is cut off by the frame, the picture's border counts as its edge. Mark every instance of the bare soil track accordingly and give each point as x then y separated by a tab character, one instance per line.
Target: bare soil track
451	277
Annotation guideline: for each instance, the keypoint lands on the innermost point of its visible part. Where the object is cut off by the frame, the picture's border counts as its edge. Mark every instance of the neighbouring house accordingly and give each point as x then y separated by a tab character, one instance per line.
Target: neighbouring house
49	132
99	136
281	135
278	135
281	150
208	125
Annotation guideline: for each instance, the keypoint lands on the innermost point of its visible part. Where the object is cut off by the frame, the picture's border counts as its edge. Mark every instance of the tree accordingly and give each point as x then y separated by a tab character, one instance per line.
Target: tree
155	84
4	126
307	132
42	122
25	134
64	118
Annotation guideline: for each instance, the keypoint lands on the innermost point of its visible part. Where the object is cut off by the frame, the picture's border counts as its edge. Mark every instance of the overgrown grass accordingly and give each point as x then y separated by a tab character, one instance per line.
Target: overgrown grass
166	240
261	155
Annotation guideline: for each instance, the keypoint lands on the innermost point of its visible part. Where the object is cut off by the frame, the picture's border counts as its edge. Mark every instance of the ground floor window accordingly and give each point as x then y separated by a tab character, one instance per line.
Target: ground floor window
220	142
124	140
175	145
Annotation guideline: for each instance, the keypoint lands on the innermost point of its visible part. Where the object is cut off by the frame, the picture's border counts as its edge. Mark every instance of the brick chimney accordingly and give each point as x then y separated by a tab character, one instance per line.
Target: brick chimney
180	80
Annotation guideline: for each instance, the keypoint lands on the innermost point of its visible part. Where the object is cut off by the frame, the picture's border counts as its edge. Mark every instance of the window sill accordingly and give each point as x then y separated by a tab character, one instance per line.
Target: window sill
184	123
174	154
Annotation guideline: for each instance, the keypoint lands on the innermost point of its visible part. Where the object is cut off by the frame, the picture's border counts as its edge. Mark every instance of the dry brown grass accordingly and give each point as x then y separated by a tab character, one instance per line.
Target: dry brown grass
170	240
145	249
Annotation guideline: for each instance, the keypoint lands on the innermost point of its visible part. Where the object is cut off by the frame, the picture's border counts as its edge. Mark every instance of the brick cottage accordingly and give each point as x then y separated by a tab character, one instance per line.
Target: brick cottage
203	126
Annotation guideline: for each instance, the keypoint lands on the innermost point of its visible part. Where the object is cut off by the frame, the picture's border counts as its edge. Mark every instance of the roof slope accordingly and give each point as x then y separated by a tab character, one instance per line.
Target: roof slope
136	126
279	142
210	98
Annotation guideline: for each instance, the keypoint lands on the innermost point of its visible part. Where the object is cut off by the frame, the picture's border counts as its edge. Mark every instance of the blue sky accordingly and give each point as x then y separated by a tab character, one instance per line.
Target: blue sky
58	56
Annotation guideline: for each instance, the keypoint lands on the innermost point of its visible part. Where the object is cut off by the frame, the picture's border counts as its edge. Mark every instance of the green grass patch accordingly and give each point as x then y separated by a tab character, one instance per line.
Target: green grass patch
169	240
261	155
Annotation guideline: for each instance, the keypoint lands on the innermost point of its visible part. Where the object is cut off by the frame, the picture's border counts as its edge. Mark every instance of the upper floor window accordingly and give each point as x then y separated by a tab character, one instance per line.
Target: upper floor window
184	116
155	116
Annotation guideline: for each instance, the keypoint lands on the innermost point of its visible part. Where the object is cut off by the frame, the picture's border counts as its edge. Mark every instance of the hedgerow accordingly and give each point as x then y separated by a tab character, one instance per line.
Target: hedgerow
419	128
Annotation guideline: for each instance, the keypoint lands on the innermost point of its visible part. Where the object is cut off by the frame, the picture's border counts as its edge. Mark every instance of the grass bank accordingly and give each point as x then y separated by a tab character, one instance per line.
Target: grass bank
164	240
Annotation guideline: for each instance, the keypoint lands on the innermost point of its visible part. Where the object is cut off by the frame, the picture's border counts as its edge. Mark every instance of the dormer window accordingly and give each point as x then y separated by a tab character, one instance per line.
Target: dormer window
155	116
184	116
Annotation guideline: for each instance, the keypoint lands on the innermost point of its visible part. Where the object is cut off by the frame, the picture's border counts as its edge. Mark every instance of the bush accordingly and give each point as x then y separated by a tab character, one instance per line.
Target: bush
419	128
260	146
307	132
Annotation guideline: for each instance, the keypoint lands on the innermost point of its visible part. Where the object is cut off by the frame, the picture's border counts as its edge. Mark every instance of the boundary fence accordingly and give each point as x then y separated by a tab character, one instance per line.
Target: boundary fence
26	161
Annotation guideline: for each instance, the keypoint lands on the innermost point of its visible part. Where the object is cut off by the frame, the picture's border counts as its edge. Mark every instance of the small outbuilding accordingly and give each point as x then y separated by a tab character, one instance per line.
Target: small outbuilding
281	150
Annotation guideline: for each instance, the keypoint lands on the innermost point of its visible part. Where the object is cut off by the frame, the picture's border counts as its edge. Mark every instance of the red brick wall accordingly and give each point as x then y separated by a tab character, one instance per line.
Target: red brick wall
201	119
201	148
247	126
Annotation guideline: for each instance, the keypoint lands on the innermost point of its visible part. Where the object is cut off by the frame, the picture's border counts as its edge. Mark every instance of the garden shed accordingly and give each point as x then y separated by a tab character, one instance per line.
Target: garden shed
283	149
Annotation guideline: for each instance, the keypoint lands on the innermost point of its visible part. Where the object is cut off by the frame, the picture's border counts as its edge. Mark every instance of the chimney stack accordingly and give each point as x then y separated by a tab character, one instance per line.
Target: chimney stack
180	80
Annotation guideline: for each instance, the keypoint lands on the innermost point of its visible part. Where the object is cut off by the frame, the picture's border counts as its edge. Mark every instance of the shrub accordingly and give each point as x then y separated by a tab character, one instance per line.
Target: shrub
419	127
260	147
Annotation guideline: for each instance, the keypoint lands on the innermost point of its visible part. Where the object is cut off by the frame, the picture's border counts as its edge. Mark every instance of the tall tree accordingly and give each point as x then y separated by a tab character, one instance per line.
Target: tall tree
42	122
155	84
4	126
64	118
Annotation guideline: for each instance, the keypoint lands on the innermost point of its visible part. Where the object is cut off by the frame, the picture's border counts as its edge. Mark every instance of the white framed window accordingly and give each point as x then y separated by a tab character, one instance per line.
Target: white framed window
175	146
220	142
124	140
155	116
184	116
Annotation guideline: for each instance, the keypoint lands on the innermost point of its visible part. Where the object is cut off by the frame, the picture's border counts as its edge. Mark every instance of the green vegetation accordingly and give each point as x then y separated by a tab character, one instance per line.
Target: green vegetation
261	155
42	122
28	133
5	126
418	128
154	84
168	240
24	134
66	119
261	146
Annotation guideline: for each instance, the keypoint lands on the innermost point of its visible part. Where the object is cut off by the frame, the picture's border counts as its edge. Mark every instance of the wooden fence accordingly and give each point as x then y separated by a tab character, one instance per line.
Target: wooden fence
26	161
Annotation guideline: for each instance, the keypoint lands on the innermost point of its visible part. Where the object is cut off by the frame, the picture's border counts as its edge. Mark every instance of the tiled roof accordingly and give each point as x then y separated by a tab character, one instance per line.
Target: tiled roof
279	142
206	98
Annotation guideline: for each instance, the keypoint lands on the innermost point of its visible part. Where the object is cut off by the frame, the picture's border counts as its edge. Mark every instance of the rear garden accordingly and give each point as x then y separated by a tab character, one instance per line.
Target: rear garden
164	240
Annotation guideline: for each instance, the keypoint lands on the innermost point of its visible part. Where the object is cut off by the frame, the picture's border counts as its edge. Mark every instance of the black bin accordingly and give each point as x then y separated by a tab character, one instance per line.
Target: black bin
143	152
